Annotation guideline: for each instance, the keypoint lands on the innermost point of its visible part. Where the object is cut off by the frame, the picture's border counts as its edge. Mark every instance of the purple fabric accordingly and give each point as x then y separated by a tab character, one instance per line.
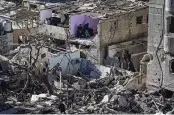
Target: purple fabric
76	20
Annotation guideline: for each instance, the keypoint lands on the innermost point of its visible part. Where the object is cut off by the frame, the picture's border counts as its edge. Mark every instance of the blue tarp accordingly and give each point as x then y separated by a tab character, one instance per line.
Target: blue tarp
89	70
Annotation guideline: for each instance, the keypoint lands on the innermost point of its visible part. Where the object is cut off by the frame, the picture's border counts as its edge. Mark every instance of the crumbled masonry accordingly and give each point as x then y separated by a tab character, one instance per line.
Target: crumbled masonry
86	57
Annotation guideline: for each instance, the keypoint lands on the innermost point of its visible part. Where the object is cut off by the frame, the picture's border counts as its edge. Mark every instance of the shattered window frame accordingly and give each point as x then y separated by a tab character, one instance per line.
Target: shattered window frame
170	27
43	55
139	20
171	63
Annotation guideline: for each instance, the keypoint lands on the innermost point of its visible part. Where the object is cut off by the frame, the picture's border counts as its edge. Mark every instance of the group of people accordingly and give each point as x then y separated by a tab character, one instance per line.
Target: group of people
126	60
85	31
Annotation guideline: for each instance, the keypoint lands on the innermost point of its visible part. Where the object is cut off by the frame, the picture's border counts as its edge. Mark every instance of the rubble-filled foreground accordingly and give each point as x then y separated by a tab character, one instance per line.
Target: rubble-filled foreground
119	92
103	100
35	83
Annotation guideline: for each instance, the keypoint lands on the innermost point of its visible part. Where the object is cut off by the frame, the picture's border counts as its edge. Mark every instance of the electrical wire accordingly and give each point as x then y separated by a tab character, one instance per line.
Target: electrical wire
162	74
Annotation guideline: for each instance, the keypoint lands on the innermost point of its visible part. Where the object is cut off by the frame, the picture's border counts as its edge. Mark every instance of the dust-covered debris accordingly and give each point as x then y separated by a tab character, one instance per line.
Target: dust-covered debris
115	93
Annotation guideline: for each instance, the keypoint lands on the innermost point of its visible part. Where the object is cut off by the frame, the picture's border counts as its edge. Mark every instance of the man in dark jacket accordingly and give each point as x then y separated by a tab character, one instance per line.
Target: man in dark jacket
80	31
61	108
4	87
70	100
131	66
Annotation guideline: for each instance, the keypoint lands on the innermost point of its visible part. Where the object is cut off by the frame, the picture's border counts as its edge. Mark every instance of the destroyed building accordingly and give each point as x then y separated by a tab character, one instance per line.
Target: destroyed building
160	45
89	83
108	24
48	69
23	20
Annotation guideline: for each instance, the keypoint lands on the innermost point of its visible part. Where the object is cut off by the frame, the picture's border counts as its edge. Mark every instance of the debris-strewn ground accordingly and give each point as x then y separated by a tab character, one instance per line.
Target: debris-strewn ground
107	95
32	87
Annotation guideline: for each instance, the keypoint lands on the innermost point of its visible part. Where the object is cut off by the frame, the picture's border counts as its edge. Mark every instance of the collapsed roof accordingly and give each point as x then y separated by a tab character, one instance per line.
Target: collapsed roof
99	8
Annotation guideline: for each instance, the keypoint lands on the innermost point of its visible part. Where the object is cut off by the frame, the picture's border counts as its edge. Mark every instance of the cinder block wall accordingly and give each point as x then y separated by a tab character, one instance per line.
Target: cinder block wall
122	27
155	29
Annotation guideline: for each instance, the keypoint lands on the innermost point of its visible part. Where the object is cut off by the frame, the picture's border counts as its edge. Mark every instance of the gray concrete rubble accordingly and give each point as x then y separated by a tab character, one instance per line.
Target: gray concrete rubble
85	57
115	91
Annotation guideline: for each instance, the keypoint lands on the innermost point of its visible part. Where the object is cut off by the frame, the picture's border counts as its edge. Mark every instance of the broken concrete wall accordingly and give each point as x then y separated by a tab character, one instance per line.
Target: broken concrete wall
154	72
55	31
155	35
65	61
160	45
135	48
22	32
23	54
136	58
168	71
137	82
93	54
123	27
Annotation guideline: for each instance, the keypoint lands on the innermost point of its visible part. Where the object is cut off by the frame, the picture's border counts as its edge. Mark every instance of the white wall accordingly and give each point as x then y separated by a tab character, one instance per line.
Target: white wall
44	14
64	62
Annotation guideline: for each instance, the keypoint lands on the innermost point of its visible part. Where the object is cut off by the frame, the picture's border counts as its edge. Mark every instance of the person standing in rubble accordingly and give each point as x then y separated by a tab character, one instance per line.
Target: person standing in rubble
45	72
127	54
86	30
126	58
80	31
131	65
70	99
62	108
117	60
3	86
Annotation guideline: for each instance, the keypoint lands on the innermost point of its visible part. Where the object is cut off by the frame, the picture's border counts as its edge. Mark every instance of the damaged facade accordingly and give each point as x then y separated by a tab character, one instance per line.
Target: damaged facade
23	21
160	67
85	57
106	27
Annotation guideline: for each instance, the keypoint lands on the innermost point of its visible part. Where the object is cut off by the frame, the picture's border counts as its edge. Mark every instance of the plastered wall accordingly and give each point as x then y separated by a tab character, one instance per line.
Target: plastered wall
122	28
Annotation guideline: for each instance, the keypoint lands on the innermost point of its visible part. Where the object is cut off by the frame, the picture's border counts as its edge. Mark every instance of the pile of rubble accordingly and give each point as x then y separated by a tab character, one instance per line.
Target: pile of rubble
111	94
34	87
